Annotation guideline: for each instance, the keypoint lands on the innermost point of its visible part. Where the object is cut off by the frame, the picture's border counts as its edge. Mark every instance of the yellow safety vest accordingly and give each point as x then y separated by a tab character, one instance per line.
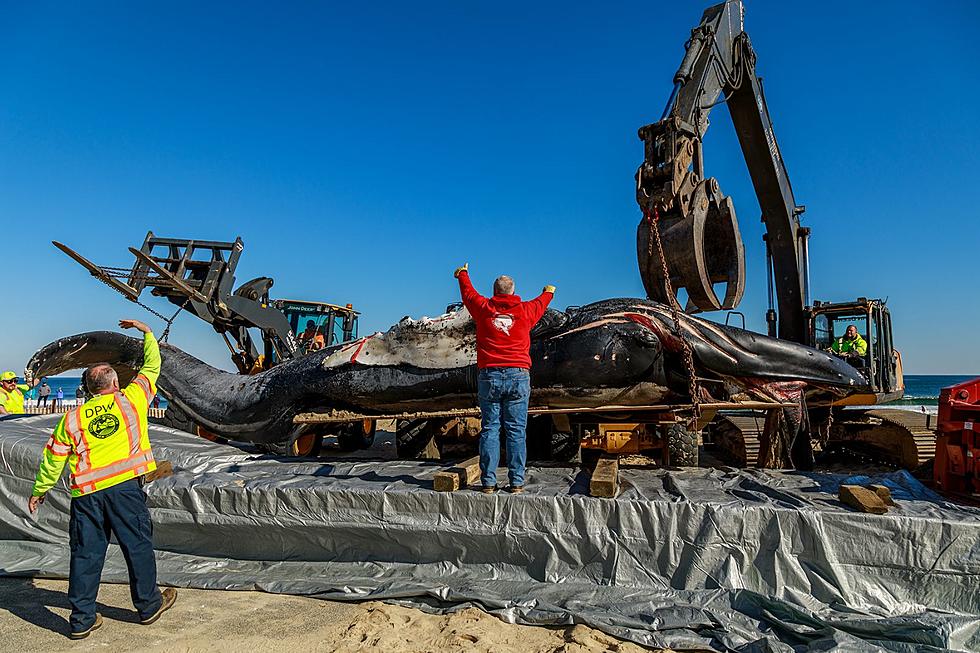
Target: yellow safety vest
105	441
13	402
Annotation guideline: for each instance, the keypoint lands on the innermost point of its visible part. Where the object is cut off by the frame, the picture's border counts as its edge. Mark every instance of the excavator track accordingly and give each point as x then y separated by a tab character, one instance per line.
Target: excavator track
736	437
903	438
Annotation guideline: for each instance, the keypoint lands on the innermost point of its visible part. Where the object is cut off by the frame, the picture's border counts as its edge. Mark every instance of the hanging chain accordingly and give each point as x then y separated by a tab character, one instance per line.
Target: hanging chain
694	388
108	272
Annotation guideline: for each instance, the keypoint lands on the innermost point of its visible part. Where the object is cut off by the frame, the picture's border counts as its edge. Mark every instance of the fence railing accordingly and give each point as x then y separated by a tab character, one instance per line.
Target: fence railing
54	408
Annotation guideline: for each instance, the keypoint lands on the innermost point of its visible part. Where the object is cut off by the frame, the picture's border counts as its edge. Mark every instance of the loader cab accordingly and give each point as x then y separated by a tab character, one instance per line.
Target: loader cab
882	365
318	325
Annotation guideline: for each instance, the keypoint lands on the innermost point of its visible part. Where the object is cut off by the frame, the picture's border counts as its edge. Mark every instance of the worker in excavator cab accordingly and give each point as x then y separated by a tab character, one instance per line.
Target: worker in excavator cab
851	346
503	346
312	337
12	394
107	447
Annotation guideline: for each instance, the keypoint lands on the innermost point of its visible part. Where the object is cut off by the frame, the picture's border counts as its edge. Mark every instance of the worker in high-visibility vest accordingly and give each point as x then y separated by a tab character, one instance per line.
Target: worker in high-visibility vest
107	447
851	345
12	394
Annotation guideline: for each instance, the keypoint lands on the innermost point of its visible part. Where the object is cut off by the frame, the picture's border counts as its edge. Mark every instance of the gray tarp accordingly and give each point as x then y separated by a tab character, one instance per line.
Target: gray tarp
735	560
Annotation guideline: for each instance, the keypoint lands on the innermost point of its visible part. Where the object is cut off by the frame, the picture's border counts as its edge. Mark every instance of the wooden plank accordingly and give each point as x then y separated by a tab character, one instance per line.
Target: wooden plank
163	470
863	499
605	477
458	477
327	418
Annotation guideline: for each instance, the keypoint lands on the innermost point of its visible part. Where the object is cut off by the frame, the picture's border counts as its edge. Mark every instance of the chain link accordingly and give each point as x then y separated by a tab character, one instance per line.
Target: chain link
168	320
694	388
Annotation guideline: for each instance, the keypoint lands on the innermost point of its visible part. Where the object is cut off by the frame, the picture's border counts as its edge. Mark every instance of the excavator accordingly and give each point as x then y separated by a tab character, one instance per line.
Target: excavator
689	243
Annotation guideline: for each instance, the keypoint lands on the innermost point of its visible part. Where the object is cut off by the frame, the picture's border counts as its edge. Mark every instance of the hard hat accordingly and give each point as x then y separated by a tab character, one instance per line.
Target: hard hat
8	376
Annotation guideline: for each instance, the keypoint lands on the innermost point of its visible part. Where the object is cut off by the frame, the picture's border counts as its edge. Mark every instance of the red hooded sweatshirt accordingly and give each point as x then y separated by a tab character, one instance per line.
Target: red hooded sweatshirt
503	325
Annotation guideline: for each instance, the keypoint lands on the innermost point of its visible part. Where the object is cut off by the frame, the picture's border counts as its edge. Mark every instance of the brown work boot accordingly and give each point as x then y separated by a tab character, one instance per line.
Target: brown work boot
169	596
488	489
82	634
515	489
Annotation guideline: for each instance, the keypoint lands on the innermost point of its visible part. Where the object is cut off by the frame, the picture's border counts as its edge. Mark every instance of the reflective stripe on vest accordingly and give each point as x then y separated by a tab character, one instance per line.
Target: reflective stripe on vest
131	420
57	448
89	479
73	427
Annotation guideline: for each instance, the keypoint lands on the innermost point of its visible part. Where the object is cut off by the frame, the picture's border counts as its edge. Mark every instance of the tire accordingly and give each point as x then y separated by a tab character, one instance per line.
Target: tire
357	435
682	446
415	440
564	446
175	418
548	442
306	445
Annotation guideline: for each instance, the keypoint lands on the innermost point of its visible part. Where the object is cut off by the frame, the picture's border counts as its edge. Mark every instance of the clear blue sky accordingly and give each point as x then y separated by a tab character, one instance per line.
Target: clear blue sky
363	150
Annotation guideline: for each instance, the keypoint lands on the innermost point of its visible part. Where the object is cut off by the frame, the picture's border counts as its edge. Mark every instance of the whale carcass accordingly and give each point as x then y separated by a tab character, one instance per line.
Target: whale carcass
612	352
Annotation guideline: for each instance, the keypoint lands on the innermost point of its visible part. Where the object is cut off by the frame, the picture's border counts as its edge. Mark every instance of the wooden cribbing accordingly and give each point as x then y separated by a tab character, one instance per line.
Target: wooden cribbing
163	470
605	477
863	499
458	477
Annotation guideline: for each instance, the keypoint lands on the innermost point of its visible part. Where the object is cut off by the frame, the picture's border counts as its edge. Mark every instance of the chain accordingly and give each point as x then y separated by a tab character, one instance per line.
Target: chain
168	320
693	387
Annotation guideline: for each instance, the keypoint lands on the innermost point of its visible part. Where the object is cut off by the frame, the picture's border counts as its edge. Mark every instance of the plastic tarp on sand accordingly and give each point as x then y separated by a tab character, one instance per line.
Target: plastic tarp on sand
741	560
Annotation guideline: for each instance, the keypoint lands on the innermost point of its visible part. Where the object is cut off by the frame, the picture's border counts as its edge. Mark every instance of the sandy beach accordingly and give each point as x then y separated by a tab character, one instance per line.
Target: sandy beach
34	617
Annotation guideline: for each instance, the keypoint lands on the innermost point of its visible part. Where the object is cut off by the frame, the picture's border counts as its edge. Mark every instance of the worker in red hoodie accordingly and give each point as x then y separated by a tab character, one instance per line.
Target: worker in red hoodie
503	344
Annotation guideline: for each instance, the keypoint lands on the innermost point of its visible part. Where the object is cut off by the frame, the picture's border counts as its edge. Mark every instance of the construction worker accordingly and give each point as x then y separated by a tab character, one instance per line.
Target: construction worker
503	344
851	345
312	336
107	447
12	394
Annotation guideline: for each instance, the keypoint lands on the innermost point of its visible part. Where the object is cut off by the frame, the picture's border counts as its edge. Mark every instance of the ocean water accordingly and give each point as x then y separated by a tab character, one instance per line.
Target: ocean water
923	389
68	385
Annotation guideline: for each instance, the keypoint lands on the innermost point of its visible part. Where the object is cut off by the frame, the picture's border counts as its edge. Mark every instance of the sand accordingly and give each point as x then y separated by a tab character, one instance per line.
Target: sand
34	614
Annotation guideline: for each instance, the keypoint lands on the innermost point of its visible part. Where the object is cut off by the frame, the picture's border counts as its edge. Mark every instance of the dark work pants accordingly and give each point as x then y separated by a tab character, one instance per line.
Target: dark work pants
121	511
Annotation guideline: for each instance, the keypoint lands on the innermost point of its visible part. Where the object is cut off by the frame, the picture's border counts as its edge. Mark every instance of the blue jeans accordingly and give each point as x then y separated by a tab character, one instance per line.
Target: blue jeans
119	510
503	393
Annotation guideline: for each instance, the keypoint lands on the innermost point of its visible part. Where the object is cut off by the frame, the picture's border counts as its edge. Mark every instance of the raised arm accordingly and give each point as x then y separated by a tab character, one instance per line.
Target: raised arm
537	306
146	378
474	302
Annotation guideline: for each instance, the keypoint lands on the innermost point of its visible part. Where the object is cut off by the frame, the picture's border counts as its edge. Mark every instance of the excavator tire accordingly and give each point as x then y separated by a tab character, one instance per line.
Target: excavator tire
548	442
357	435
416	440
682	446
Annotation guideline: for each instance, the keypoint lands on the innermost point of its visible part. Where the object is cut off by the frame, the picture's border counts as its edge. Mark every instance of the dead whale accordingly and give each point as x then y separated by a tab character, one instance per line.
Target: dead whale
616	351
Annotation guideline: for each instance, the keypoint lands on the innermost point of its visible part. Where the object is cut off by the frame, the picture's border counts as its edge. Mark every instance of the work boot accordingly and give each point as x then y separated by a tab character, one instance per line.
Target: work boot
82	634
488	489
169	596
515	489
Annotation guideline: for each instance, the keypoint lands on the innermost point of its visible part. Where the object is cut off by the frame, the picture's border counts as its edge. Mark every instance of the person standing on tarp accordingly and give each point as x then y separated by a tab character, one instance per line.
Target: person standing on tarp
503	356
106	444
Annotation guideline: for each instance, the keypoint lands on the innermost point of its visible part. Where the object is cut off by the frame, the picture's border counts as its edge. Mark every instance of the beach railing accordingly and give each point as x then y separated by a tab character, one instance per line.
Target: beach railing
63	407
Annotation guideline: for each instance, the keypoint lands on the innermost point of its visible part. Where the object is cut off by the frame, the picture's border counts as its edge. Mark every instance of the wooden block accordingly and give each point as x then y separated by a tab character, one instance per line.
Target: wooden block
862	499
163	470
458	477
605	477
883	493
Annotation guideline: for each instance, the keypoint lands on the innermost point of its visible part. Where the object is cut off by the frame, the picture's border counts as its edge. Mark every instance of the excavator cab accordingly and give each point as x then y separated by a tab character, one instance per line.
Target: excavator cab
881	365
318	325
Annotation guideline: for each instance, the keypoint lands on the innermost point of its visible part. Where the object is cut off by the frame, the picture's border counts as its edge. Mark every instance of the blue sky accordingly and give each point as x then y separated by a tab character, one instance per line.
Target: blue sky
363	150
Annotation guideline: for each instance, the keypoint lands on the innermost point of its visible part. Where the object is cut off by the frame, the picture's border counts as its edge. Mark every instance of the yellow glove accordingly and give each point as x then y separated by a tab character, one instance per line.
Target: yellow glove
550	289
466	268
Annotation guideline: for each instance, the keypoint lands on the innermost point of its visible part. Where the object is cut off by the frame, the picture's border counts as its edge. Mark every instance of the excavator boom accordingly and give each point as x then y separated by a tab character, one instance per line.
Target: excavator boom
702	246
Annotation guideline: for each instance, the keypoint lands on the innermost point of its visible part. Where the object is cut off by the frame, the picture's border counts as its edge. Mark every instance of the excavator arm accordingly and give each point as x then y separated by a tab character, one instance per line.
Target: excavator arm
696	222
